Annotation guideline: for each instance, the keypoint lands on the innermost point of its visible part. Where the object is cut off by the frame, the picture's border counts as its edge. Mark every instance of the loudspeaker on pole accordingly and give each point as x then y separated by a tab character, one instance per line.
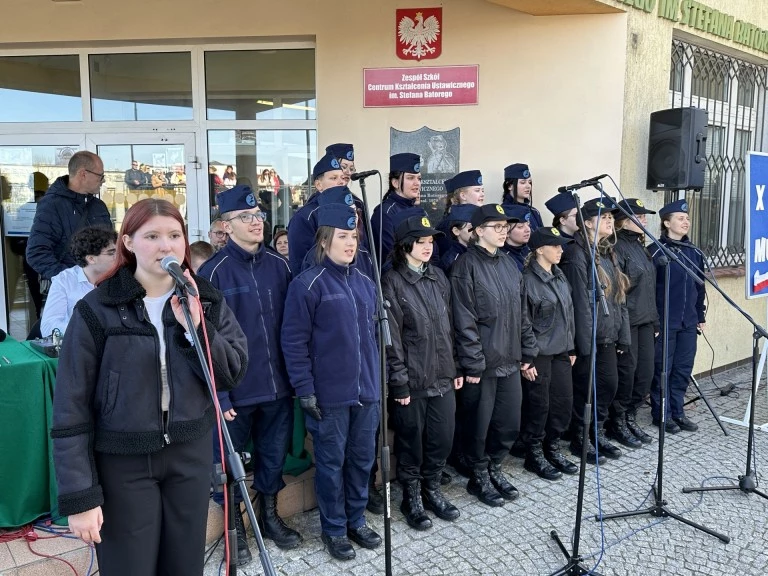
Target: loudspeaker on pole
677	149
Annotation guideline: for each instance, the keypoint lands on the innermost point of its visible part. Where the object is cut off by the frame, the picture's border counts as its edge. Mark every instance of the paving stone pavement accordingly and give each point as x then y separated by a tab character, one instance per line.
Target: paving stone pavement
514	540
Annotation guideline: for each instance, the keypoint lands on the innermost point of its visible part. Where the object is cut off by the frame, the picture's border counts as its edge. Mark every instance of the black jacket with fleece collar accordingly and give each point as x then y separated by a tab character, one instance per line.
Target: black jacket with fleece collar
108	383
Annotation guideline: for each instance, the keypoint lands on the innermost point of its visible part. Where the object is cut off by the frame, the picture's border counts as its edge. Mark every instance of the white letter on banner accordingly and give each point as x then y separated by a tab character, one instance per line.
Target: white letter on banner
760	191
761	244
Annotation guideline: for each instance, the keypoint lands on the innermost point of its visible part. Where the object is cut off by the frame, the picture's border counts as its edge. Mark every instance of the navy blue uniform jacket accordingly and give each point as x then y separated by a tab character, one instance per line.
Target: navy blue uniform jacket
382	226
329	335
686	297
254	287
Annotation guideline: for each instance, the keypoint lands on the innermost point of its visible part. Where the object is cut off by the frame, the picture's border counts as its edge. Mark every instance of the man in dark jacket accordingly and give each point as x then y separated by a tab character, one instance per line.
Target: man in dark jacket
69	205
254	282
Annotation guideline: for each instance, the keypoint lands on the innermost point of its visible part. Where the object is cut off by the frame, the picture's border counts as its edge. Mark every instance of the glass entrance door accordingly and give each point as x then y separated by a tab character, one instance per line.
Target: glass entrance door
138	166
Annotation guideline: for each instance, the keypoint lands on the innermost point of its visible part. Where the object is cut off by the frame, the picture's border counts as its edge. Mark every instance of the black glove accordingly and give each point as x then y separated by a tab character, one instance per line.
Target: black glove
309	405
622	348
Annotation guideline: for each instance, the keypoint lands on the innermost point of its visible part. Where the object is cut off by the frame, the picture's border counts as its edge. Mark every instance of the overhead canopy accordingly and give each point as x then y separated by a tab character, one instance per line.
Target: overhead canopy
558	7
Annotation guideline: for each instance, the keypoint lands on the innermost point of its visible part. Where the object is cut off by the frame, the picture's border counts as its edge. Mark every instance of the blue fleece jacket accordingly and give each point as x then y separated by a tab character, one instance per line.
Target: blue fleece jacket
686	297
254	286
329	335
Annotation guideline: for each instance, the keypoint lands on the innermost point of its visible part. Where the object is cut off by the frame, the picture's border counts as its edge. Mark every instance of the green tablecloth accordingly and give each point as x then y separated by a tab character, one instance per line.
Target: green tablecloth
27	480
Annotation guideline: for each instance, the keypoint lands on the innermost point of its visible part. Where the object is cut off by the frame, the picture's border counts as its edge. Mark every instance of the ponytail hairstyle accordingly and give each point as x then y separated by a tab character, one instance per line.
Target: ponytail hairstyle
391	189
665	218
530	257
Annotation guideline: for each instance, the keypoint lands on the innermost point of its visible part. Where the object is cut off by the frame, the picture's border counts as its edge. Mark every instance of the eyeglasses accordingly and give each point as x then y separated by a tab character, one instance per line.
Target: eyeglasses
219	234
249	217
101	176
498	227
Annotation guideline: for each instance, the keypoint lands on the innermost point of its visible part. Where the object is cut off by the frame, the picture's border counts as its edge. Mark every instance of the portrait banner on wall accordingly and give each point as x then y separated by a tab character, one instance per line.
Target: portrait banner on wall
418	33
439	152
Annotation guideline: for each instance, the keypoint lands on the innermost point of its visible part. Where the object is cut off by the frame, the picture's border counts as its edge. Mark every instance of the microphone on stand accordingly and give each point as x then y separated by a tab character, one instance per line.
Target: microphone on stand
361	175
171	265
583	184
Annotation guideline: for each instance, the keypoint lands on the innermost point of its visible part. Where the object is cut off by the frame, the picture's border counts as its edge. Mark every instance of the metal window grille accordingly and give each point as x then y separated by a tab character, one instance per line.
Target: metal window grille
733	91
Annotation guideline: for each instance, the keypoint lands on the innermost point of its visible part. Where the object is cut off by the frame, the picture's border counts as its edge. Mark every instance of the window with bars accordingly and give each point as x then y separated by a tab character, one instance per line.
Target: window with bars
733	91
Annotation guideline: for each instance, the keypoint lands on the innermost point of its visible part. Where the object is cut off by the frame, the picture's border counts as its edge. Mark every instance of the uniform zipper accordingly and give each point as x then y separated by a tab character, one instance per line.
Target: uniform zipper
359	340
264	328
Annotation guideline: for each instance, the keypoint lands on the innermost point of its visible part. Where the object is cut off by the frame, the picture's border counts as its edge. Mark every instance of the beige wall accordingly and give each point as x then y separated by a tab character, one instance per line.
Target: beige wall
539	101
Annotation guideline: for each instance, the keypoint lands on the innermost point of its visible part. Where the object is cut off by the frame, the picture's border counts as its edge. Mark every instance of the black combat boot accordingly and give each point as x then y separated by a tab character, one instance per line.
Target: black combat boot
273	526
536	462
435	501
606	447
413	508
480	485
375	499
557	459
243	552
576	446
501	482
616	429
634	427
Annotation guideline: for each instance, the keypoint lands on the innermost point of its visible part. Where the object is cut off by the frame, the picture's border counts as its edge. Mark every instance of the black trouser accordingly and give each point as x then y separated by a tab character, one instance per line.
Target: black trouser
635	372
548	401
425	428
457	450
491	418
607	375
155	510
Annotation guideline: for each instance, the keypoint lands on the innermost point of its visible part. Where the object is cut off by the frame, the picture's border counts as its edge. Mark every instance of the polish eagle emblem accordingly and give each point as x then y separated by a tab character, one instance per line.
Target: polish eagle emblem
417	36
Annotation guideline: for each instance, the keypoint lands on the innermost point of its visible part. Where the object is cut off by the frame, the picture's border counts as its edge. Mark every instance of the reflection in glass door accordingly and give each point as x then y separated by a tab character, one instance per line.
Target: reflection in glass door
138	167
26	172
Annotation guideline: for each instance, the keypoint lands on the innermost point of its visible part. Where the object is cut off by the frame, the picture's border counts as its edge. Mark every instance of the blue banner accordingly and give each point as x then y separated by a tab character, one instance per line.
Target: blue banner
757	225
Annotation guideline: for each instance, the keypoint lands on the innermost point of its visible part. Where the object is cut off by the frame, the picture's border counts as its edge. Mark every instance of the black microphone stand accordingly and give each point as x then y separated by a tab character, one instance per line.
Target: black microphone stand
659	507
235	468
747	482
574	561
385	340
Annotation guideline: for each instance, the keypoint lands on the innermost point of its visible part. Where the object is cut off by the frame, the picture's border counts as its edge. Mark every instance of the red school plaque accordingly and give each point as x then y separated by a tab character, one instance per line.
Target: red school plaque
422	86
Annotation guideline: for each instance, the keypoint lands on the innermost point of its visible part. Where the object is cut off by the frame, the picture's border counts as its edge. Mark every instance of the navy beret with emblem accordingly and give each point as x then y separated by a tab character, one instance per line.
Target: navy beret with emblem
336	195
449	188
337	216
516	171
461	213
341	151
520	212
405	162
236	198
467	179
677	206
326	164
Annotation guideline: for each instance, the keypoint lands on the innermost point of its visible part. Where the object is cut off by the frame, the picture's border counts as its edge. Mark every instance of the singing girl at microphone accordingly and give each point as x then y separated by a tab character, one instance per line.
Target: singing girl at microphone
132	415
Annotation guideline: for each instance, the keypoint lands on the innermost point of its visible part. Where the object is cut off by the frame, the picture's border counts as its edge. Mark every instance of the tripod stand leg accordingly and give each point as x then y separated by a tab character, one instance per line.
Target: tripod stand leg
706	401
623	514
679	518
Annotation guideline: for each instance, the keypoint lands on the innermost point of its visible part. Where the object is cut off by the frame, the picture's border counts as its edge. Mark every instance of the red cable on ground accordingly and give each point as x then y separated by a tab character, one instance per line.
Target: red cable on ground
29	545
27	532
227	551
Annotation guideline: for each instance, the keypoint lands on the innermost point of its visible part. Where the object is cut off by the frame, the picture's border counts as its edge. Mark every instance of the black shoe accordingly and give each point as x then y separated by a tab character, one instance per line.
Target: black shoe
605	447
555	457
435	501
375	499
445	478
686	423
243	552
273	526
536	462
459	464
480	485
518	449
338	546
576	446
501	482
364	537
413	508
671	426
638	432
617	430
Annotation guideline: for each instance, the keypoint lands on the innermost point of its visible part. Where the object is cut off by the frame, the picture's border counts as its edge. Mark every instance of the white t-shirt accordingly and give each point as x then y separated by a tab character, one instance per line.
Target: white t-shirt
154	308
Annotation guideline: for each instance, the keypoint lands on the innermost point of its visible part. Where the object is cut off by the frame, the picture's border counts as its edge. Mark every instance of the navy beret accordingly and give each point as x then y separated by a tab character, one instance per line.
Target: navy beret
677	206
337	216
516	171
466	179
449	186
325	164
461	213
236	198
560	203
336	195
520	212
405	162
341	151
